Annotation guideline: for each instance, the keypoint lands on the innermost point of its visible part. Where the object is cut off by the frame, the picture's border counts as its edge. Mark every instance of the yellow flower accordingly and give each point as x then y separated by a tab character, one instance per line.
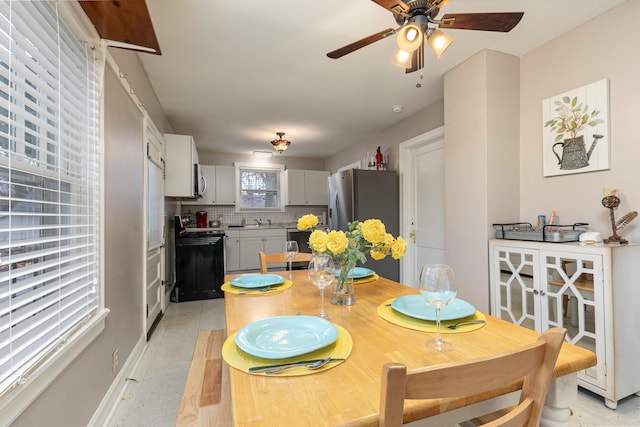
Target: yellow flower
307	221
318	241
388	239
337	241
373	230
398	248
376	254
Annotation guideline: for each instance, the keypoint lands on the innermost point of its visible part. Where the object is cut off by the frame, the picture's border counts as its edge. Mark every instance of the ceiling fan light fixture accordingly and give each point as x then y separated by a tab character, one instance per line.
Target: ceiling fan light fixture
439	41
402	58
280	144
409	37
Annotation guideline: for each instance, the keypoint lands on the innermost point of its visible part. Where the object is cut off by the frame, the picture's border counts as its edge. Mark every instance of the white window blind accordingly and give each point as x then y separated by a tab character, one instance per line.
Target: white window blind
49	187
259	188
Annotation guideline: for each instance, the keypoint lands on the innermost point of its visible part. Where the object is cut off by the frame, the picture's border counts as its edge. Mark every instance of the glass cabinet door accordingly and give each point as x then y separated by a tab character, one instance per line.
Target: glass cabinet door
516	286
574	292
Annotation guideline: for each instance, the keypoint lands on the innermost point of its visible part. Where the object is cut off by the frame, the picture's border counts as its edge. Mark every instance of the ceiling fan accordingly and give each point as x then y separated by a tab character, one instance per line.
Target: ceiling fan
418	21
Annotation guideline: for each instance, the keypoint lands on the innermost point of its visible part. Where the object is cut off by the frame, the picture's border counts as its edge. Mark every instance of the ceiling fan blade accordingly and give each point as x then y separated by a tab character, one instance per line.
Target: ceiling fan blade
395	6
503	22
127	22
338	53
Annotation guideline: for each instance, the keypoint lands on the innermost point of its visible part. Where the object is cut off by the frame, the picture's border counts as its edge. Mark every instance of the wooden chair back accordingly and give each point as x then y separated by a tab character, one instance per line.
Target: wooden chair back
279	258
534	363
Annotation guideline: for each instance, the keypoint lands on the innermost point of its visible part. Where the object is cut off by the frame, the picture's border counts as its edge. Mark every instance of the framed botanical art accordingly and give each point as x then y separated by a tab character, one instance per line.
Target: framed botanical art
575	131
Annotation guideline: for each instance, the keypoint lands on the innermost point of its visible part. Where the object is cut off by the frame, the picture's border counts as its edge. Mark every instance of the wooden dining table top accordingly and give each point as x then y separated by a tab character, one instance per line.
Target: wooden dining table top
351	390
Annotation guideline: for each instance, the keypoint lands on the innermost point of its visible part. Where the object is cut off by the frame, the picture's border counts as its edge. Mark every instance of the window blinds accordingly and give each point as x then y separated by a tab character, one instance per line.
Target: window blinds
49	186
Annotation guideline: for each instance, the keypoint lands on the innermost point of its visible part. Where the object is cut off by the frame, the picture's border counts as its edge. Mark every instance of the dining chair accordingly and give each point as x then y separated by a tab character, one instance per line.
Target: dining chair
279	258
532	363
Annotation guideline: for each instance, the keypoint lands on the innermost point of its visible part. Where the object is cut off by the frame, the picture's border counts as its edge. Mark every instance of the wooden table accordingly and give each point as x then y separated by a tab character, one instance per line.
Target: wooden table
351	390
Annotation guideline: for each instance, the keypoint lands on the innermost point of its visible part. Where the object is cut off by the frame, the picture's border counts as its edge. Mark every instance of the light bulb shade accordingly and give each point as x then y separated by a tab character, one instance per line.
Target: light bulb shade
439	41
280	144
402	58
409	37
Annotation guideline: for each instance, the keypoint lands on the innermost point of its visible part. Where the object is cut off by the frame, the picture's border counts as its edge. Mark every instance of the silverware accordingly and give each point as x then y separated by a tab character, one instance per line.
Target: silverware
282	366
255	290
468	322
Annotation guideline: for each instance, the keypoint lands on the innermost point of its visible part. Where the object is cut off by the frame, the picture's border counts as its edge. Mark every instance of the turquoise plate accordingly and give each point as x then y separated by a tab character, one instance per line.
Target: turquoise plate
359	272
285	336
416	306
257	280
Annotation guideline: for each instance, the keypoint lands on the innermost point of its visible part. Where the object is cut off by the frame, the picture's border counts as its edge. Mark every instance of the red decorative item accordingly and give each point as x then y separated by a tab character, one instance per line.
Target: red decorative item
378	159
201	219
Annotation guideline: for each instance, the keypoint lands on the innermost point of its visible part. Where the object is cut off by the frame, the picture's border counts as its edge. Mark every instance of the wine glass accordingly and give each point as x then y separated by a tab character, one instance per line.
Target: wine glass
438	288
321	273
290	253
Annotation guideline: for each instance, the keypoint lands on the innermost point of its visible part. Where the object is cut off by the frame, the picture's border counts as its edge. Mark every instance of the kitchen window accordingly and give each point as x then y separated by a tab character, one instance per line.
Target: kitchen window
50	305
259	187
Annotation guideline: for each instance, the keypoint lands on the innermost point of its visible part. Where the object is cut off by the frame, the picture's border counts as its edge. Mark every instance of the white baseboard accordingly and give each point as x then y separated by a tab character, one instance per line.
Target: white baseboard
107	407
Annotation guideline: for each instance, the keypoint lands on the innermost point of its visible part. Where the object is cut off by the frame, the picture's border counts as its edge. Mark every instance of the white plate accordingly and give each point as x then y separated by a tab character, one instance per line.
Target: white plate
257	280
359	272
285	336
416	306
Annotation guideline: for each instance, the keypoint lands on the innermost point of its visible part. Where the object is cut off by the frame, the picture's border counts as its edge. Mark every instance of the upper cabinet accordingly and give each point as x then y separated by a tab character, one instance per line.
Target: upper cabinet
181	169
307	187
221	186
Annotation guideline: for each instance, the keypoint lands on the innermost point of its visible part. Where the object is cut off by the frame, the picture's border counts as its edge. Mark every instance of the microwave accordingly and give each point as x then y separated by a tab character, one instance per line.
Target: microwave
199	181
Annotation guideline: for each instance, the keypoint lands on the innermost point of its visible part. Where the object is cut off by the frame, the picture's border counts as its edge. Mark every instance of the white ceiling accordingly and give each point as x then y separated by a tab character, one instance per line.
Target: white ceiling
234	73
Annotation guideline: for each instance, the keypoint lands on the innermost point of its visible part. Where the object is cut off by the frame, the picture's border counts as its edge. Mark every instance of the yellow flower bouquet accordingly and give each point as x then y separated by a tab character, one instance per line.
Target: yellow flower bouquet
350	247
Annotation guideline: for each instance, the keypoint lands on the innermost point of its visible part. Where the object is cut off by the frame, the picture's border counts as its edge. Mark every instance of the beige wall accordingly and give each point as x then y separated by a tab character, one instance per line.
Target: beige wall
481	163
580	57
390	138
225	159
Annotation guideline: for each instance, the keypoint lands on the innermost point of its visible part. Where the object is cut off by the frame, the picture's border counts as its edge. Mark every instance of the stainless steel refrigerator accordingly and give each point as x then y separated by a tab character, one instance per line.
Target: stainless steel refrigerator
359	194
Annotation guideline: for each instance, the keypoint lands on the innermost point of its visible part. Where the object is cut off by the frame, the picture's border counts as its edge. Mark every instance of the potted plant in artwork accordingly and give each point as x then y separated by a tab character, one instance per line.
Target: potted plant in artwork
348	248
572	118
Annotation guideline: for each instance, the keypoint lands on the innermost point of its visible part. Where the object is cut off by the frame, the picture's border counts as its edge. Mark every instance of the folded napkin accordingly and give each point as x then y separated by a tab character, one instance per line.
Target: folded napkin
228	287
238	359
390	315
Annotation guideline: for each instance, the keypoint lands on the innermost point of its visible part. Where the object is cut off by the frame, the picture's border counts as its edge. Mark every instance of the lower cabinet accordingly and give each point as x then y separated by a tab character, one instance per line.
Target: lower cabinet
591	290
242	247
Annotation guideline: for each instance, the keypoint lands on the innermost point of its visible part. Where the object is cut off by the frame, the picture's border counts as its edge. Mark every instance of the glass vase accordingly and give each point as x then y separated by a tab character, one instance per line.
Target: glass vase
343	291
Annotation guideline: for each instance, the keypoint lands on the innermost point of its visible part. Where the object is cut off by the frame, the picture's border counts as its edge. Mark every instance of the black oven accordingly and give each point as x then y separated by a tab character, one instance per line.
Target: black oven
302	237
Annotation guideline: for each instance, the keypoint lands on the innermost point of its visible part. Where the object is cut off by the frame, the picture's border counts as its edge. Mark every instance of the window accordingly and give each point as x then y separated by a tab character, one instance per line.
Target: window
259	187
49	190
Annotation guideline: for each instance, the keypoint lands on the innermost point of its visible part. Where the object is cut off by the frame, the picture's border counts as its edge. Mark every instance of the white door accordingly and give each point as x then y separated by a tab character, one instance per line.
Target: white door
422	203
154	295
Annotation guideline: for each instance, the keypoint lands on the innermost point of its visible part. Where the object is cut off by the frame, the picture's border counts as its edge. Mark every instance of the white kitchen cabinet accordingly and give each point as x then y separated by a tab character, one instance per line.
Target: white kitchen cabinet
181	157
307	187
591	290
243	246
220	189
225	185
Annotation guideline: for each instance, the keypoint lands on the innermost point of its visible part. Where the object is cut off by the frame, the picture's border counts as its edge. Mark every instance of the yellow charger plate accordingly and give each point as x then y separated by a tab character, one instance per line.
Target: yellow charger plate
238	359
228	287
390	315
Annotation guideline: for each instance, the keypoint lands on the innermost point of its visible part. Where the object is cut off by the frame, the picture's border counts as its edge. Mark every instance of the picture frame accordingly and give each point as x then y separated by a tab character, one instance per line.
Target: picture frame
575	130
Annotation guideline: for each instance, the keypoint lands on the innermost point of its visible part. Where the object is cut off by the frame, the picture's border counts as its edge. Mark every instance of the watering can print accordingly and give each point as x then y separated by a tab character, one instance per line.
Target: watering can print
574	153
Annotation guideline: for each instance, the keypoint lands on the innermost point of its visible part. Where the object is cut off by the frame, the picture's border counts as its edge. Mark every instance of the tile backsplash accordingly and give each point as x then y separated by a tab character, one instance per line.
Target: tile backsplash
228	214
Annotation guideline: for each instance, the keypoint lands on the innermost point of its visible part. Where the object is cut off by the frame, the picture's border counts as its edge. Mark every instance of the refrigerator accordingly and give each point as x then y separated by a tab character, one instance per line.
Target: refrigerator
359	194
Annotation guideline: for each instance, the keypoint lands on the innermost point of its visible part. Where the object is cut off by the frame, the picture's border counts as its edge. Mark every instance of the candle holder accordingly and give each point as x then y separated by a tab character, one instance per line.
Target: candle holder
612	202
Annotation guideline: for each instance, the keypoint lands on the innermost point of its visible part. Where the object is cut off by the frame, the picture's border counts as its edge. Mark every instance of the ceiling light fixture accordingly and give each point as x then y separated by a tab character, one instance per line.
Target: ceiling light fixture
439	41
280	144
262	154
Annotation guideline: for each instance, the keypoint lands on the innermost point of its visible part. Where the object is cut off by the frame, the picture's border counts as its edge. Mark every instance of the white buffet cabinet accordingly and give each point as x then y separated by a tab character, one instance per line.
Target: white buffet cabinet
591	290
242	247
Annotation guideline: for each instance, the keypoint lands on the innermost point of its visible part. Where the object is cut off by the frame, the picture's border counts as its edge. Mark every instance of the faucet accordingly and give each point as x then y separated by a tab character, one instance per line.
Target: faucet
258	221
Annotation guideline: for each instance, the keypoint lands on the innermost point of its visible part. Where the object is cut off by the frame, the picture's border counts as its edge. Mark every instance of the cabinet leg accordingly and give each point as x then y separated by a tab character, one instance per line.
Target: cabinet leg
611	404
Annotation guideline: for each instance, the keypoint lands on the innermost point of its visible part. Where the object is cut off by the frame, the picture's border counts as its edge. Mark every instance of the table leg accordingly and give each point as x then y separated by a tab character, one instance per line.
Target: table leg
562	393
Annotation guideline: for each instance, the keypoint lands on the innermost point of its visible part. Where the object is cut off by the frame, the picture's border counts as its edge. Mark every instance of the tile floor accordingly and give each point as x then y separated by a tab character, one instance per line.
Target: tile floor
154	399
